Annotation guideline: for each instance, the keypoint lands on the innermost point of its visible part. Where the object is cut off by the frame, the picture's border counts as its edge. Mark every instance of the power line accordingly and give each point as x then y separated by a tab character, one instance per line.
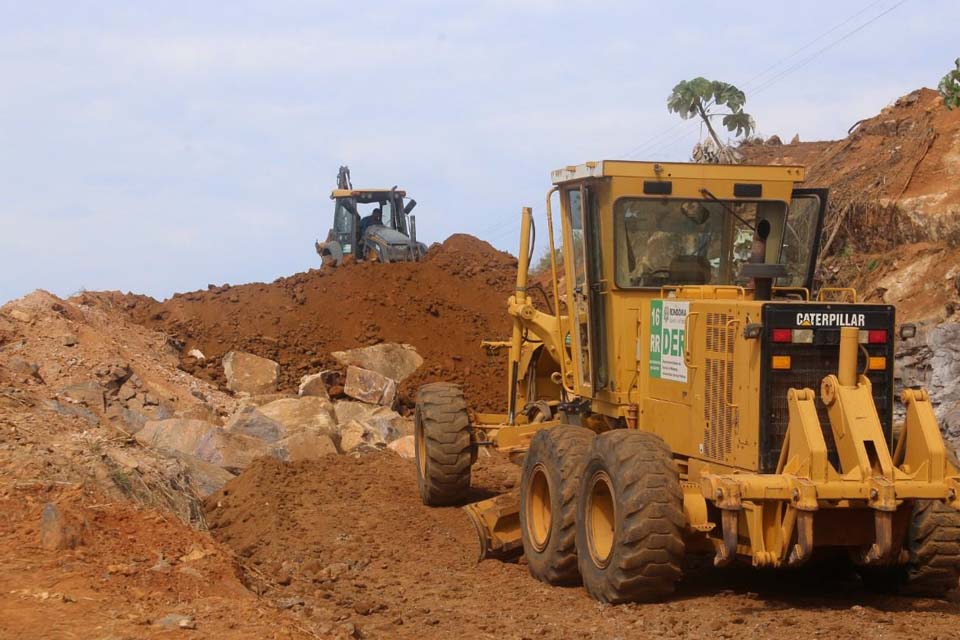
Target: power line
816	53
654	143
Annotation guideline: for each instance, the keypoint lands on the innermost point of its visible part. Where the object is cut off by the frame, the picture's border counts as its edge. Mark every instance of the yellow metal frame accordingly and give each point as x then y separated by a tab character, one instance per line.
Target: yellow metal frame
768	518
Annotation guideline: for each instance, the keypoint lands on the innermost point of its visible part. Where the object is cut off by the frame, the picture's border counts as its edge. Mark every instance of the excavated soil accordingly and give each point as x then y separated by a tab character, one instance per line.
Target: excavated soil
349	538
133	568
443	306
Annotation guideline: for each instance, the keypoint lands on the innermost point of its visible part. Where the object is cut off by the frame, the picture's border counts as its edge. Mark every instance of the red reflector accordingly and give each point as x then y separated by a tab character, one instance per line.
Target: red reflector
877	336
783	335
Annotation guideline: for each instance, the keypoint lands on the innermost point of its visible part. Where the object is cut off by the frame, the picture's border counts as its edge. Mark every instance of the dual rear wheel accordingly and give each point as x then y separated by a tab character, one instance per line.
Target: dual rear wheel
606	510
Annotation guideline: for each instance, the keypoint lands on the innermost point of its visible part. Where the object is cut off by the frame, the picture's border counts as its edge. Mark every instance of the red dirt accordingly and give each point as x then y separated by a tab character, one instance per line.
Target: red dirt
898	171
350	538
443	306
111	585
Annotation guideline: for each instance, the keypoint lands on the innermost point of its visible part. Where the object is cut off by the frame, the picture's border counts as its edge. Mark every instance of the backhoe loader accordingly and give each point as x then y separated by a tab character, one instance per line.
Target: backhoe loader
687	393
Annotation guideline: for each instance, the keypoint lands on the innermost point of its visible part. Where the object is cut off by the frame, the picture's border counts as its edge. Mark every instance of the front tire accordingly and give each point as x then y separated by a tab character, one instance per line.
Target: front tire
443	448
630	519
548	502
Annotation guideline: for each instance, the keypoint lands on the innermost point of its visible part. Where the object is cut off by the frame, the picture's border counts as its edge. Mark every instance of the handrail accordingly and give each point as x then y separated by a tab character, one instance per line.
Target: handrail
556	292
850	290
801	290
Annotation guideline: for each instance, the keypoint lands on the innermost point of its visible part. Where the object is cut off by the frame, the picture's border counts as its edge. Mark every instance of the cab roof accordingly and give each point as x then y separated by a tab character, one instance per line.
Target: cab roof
679	170
364	196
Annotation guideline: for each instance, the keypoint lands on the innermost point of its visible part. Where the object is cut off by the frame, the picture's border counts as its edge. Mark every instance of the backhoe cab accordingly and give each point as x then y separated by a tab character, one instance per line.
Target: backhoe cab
688	394
370	224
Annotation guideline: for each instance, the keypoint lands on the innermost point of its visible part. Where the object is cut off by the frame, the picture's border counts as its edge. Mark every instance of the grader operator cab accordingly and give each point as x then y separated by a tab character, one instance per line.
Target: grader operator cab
688	394
370	224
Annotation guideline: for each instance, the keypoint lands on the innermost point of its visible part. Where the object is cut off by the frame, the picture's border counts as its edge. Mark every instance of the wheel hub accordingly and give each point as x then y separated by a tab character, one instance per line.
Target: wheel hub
601	519
539	512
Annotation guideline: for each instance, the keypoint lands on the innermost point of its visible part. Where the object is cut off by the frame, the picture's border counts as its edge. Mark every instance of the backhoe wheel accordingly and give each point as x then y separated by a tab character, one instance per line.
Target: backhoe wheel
630	518
443	449
933	542
548	502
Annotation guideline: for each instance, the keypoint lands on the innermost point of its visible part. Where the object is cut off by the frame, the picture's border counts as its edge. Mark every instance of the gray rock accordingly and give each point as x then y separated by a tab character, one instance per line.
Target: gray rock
356	435
391	360
384	420
205	478
61	528
314	385
370	386
89	394
249	421
175	621
248	373
305	446
310	413
404	447
72	410
23	368
205	441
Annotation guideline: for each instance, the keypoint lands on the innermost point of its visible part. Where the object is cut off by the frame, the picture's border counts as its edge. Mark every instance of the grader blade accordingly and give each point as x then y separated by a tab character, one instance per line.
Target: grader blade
497	521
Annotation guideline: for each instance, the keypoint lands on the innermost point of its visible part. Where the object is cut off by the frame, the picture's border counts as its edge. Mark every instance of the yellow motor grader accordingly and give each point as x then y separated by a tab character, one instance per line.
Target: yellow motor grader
688	393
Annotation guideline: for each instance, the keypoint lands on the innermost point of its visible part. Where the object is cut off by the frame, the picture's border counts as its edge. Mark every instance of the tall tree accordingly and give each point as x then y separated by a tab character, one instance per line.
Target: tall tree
950	87
708	99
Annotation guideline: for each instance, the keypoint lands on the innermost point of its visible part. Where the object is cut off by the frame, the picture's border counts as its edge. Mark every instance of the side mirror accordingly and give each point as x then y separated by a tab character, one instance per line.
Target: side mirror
908	330
409	206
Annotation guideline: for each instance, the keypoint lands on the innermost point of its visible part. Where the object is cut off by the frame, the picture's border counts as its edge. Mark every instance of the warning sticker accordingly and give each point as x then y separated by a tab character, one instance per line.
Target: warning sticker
667	320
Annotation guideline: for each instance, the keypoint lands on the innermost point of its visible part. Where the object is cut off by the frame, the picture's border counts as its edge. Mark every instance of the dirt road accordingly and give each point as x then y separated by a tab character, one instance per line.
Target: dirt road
349	538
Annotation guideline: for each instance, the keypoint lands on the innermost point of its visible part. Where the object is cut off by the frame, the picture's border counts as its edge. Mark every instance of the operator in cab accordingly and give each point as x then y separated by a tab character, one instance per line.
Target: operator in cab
374	219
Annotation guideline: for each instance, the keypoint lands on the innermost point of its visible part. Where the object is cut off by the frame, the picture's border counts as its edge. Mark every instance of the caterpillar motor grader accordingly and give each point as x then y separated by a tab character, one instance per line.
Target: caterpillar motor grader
687	394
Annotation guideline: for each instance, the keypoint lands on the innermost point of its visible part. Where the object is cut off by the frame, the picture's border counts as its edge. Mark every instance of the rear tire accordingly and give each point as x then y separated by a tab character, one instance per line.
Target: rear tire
630	519
548	502
442	444
933	542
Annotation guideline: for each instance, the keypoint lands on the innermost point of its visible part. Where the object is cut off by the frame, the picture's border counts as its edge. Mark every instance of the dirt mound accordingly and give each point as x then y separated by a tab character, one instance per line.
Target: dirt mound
444	306
348	541
132	568
898	171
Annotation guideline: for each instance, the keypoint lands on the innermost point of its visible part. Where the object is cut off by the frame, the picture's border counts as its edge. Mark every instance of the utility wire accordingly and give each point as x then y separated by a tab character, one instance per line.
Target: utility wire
654	144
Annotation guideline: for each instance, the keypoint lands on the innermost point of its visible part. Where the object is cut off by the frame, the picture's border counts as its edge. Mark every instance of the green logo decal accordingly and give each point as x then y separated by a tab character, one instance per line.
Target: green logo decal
667	339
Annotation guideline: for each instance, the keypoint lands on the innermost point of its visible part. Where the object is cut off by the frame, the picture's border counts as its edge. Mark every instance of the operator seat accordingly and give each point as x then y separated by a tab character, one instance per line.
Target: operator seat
690	270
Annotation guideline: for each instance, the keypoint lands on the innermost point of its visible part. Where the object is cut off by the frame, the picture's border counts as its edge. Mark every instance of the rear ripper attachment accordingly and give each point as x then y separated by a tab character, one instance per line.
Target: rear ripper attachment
863	501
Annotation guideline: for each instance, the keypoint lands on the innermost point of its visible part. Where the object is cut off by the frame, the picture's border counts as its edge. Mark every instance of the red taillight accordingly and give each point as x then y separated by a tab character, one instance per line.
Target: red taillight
782	335
877	336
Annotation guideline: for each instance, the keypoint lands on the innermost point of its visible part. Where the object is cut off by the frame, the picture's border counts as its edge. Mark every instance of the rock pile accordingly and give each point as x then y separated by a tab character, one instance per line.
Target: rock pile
361	417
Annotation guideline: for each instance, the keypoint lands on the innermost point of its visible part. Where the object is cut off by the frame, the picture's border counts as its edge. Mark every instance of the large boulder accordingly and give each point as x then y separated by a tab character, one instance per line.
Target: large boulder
391	360
310	413
205	441
369	386
89	394
250	421
355	435
389	424
305	446
205	478
404	447
314	384
251	374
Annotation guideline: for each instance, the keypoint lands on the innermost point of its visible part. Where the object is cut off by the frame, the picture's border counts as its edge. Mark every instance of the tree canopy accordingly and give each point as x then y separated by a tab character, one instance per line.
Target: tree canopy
708	99
950	87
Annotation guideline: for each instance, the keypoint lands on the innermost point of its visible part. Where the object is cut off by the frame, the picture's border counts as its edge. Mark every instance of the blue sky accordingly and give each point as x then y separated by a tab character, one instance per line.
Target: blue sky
161	146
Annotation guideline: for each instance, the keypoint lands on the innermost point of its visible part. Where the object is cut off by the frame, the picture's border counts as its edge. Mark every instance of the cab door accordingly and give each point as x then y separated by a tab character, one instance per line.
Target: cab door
587	310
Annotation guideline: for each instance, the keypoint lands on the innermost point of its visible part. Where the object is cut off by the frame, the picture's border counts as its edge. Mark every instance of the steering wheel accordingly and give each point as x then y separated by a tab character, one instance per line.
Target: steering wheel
654	278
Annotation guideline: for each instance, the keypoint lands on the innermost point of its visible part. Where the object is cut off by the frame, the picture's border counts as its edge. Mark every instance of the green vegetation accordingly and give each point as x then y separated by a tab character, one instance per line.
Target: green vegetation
950	87
708	99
